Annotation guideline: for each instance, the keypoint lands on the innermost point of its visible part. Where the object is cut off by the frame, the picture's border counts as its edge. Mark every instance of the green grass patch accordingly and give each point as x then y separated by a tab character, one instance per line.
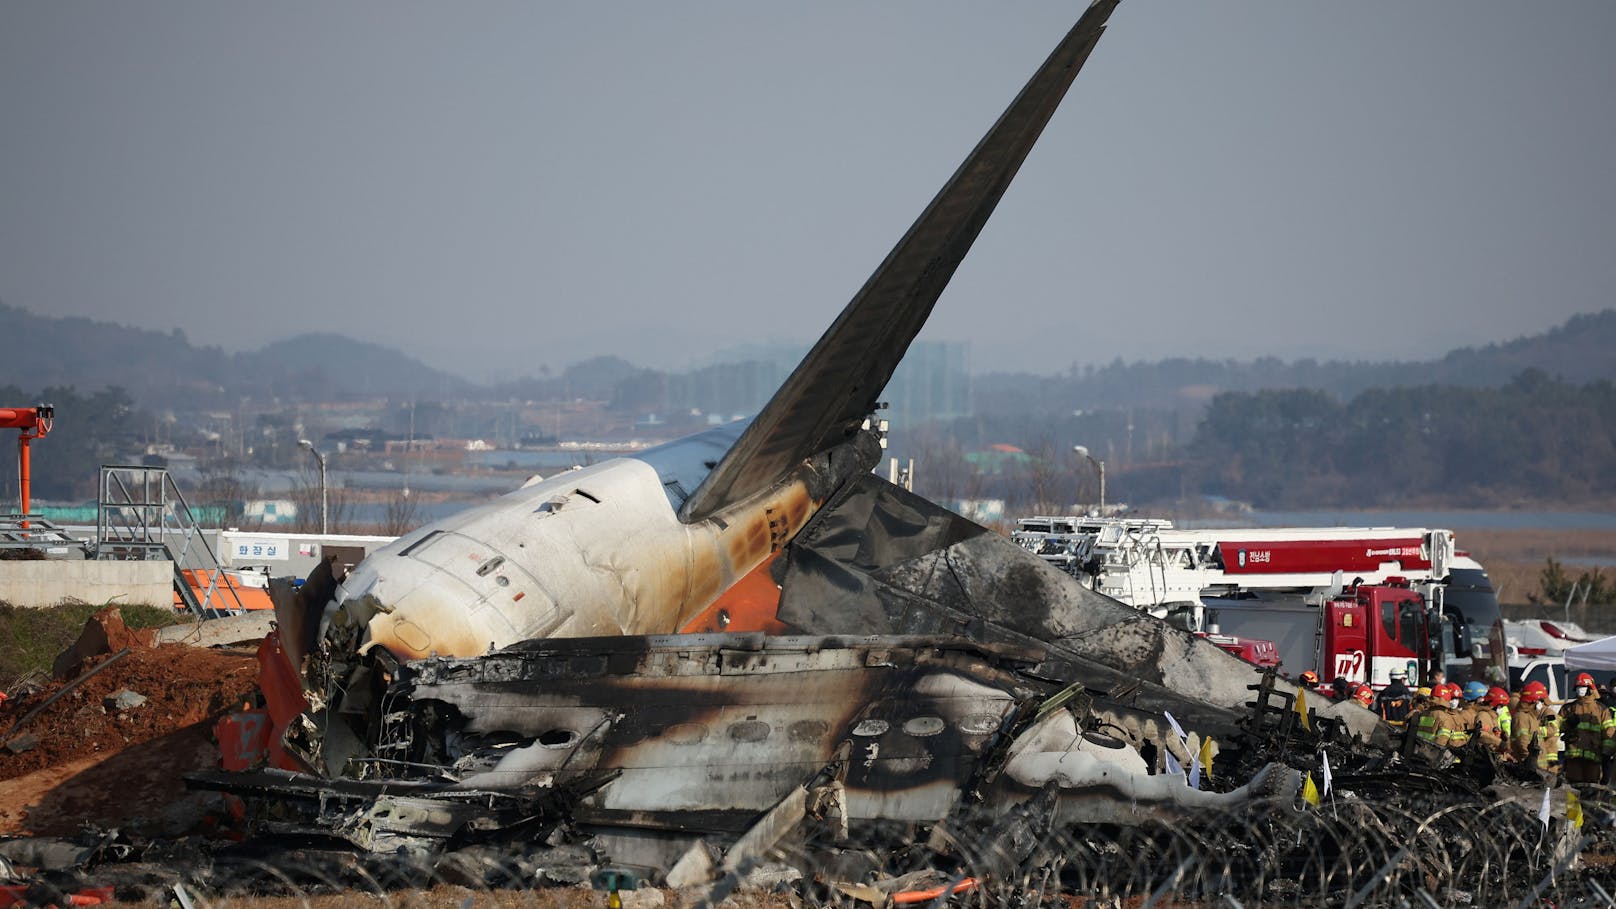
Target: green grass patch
31	638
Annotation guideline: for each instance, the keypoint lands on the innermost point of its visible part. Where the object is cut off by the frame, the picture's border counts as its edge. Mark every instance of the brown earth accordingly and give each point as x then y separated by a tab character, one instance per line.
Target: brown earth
93	765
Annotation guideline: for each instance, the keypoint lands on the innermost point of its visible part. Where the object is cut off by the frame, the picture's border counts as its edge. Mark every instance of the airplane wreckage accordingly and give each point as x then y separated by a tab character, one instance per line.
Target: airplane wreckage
743	645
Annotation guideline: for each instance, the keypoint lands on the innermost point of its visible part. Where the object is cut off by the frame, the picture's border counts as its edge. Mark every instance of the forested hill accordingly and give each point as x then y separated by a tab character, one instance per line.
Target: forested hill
1581	350
1578	351
1535	439
164	370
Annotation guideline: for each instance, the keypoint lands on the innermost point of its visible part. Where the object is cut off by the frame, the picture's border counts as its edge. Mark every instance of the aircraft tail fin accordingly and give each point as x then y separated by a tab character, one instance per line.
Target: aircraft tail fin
836	385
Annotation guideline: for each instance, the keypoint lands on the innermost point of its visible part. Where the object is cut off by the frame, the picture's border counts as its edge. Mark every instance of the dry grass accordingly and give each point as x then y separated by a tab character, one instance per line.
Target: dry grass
1537	545
1515	558
31	638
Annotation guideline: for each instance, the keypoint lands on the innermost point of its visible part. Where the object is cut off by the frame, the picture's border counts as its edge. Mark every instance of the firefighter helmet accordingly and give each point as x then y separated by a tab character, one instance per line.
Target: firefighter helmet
1475	691
1310	678
1534	692
1584	680
1364	695
1496	697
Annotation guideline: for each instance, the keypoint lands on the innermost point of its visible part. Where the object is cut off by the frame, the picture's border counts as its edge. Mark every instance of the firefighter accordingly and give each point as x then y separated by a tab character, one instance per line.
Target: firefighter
1438	724
1421	703
1490	726
1395	700
1461	716
1498	699
1589	732
1473	693
1341	688
1532	737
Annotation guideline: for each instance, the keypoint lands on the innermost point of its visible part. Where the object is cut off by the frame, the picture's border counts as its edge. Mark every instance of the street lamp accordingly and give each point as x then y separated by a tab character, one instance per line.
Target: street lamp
1082	451
325	524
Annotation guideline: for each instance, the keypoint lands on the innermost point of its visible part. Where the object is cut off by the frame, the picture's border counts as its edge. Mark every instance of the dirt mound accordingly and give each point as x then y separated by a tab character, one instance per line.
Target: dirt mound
182	686
91	761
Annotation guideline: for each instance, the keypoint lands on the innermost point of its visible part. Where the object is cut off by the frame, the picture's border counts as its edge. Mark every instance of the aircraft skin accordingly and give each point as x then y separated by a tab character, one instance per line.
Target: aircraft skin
595	551
544	609
641	545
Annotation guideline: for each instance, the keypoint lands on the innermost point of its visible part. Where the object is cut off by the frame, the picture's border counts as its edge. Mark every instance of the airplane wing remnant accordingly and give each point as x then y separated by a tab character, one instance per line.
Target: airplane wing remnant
835	386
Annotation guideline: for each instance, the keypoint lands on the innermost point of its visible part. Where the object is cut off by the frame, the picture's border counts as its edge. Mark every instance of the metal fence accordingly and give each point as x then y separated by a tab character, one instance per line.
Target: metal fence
1422	850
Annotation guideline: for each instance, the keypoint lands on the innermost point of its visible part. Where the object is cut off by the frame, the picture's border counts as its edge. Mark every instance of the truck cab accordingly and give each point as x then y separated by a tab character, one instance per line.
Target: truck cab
1371	629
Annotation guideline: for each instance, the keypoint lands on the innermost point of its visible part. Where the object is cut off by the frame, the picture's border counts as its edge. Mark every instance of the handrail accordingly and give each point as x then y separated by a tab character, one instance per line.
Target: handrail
128	521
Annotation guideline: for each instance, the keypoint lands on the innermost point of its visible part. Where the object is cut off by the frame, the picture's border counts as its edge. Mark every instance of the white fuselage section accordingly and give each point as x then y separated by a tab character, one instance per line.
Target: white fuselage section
588	552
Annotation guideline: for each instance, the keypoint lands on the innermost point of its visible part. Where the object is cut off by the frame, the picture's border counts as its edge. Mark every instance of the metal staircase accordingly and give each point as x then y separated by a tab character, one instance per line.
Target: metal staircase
143	515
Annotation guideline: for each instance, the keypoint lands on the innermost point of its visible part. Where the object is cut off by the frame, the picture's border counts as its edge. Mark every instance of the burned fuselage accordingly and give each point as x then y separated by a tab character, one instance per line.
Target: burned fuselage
649	742
507	657
641	545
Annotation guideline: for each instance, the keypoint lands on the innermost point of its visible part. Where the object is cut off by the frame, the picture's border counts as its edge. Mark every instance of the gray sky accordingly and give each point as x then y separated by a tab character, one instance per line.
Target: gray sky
495	186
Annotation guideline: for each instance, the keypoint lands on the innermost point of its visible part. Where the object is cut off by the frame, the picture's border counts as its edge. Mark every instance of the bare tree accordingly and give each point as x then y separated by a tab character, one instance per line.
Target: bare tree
1045	476
225	489
399	516
940	466
339	502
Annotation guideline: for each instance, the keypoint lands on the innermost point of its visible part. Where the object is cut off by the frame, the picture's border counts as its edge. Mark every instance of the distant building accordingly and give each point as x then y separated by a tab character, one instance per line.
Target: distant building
268	511
932	383
999	458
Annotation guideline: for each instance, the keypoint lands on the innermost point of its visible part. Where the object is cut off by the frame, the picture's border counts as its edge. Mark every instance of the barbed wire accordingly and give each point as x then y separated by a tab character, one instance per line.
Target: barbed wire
1350	852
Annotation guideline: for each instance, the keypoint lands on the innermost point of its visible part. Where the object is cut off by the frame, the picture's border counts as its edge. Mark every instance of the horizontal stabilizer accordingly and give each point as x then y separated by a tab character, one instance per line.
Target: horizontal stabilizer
836	386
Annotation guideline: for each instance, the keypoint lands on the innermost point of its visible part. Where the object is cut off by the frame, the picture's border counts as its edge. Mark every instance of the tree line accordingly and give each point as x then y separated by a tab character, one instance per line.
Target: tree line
1536	439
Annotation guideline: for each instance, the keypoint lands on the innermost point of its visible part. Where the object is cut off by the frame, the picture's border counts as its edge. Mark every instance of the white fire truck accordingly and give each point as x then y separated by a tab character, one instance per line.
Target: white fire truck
1355	602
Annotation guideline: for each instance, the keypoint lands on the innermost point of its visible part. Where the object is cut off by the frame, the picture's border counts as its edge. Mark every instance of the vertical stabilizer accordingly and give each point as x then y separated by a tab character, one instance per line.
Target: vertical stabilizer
835	387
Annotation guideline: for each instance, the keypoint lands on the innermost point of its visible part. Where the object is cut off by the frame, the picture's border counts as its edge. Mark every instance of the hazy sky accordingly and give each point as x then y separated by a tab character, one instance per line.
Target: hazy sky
496	186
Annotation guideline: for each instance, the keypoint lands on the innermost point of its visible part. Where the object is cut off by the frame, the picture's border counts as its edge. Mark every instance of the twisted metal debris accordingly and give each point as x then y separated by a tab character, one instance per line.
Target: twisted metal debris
1427	850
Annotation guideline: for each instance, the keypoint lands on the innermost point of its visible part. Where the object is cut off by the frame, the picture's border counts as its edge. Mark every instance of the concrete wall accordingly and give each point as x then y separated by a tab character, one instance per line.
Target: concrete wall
49	582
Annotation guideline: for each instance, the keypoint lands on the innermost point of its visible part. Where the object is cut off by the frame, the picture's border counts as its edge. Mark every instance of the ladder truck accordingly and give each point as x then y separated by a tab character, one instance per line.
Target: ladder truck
1350	602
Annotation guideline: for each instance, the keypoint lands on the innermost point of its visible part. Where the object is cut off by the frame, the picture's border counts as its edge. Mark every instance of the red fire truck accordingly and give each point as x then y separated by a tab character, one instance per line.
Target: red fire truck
1349	601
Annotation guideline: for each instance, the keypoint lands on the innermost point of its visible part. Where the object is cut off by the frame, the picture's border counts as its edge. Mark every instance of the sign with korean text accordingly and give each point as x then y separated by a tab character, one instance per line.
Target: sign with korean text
251	550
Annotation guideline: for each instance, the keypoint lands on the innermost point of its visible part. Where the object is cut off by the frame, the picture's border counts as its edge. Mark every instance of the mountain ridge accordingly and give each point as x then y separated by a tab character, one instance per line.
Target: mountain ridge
163	369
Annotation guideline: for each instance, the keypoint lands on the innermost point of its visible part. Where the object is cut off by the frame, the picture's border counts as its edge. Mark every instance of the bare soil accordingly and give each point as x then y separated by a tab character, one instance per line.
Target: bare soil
111	768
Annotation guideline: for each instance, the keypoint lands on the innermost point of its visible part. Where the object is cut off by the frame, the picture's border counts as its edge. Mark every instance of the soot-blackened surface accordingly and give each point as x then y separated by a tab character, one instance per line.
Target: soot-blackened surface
880	560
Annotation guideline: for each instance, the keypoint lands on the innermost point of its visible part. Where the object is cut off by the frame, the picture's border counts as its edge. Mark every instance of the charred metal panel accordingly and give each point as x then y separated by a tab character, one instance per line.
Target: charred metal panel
650	740
1101	781
699	723
881	560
